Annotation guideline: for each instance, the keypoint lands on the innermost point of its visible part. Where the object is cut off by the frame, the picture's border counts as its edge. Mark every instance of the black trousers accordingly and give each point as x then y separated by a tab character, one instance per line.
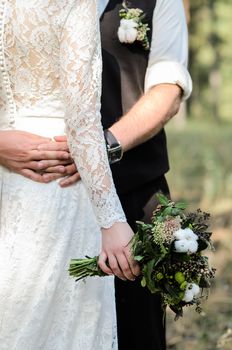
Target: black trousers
140	317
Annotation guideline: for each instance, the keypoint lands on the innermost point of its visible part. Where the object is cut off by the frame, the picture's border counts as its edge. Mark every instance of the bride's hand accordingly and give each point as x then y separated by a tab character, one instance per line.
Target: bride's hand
115	257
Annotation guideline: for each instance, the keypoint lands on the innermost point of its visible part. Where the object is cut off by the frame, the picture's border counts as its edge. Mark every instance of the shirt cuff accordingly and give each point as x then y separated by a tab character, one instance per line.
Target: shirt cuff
169	72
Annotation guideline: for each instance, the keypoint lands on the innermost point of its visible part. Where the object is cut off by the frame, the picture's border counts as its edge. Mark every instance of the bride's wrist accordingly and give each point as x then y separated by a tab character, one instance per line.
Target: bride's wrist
115	226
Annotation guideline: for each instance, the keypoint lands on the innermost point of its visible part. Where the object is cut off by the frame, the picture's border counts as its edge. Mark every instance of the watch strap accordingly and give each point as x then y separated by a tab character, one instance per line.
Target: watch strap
114	148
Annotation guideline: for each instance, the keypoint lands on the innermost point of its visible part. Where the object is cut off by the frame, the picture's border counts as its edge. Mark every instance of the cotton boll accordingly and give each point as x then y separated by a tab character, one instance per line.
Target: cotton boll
127	36
190	235
192	246
181	246
188	296
195	289
179	234
186	246
127	32
186	233
128	23
131	35
122	35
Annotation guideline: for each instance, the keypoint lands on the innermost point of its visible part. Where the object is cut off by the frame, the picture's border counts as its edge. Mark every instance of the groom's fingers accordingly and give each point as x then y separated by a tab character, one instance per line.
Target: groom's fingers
62	138
53	146
47	155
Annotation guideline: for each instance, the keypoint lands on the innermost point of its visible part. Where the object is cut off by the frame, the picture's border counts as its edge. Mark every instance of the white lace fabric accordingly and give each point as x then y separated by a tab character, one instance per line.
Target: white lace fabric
50	49
41	307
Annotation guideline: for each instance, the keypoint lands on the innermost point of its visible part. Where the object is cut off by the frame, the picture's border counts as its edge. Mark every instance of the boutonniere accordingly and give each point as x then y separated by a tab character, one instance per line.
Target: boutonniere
132	28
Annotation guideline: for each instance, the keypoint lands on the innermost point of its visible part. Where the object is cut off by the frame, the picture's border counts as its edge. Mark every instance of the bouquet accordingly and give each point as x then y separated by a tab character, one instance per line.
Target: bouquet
169	252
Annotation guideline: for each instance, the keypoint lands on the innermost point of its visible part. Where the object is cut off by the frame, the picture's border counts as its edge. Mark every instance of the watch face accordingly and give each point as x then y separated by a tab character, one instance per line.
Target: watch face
115	154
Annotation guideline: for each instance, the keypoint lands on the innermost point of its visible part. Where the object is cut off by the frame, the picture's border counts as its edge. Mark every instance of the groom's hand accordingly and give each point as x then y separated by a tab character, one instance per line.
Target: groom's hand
19	152
68	172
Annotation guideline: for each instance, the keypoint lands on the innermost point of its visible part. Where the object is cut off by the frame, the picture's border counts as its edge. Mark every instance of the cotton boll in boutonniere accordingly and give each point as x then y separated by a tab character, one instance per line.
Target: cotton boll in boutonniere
127	32
132	28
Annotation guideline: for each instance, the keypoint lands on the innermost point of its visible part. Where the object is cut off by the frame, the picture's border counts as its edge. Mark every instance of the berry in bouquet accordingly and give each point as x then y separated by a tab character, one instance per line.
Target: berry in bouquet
169	251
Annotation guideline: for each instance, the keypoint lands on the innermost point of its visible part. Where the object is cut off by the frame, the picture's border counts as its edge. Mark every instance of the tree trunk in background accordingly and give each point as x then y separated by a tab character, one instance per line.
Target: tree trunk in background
215	74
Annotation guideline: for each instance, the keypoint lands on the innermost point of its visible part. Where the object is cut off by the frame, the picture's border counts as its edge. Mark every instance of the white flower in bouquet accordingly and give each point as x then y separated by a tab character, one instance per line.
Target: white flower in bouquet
192	291
185	246
192	246
185	233
188	296
127	32
195	288
179	234
186	241
181	246
190	235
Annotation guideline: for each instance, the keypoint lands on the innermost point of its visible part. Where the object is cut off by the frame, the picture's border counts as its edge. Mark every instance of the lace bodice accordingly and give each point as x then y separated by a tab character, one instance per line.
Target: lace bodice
50	50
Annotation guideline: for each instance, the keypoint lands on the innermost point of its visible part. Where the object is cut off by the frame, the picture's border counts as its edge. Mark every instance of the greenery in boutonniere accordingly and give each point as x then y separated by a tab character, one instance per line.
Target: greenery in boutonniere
169	252
132	28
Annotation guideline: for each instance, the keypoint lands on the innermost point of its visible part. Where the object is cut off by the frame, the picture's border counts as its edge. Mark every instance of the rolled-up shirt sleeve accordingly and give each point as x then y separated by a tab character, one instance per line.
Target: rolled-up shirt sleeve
169	48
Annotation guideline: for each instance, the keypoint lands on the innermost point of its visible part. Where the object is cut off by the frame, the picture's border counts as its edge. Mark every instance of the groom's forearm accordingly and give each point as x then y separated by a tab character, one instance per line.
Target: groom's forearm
148	116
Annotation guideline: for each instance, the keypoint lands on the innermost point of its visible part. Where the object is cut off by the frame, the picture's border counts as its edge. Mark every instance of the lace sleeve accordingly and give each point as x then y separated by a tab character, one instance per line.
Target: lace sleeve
80	61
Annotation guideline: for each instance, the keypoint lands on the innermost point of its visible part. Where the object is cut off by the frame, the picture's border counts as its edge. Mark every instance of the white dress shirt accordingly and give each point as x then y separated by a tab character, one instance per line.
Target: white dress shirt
169	46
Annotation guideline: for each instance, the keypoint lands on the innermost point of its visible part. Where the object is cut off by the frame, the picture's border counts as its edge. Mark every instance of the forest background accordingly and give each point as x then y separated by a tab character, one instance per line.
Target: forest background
200	147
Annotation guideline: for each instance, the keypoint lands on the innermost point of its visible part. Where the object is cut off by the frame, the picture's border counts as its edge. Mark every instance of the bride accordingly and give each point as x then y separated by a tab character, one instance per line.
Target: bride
50	69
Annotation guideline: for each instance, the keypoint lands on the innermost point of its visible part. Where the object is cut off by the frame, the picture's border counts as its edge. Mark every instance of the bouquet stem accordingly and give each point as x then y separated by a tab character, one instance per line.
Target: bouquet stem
82	268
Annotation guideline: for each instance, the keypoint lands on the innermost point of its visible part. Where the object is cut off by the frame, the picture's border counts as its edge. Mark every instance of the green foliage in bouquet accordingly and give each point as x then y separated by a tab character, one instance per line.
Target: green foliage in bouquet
169	252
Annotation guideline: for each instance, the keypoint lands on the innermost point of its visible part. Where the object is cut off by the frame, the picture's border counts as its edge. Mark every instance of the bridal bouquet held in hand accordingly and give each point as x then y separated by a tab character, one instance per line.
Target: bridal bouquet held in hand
169	252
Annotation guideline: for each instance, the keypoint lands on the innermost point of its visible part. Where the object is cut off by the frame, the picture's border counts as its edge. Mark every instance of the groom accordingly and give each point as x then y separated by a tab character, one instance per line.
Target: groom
142	90
128	69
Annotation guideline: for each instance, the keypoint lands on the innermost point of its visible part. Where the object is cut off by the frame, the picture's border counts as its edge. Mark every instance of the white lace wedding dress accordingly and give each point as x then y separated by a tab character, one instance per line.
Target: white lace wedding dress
50	70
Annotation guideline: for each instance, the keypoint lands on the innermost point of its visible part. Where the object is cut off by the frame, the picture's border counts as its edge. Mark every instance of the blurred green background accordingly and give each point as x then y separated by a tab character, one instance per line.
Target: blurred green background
200	147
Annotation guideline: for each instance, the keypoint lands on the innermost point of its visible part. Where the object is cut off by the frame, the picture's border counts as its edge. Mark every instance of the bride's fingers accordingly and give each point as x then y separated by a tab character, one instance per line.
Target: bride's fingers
134	266
47	165
102	263
113	263
48	177
69	180
125	267
32	175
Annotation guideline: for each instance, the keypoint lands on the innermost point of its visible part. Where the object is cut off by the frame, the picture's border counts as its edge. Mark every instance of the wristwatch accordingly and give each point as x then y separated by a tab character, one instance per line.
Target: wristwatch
113	146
